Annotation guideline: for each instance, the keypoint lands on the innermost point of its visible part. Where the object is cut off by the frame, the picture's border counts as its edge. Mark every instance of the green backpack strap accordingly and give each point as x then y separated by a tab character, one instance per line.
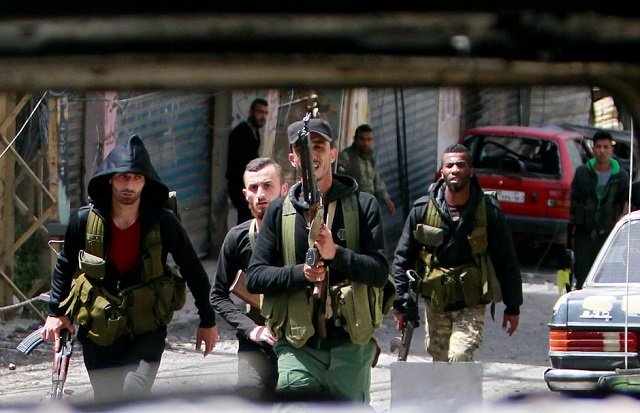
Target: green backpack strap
351	219
94	237
431	217
479	244
351	224
288	227
252	233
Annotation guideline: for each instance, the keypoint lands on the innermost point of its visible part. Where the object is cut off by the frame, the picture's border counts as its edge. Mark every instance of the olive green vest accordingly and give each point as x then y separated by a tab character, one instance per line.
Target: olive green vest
474	283
357	307
137	309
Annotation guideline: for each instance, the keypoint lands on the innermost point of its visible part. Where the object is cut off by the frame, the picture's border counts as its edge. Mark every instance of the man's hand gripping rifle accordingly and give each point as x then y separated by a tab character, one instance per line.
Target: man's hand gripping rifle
61	355
315	219
411	316
60	365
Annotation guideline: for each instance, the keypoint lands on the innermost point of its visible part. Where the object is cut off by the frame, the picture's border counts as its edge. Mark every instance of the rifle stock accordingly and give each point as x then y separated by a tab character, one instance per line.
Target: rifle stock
239	288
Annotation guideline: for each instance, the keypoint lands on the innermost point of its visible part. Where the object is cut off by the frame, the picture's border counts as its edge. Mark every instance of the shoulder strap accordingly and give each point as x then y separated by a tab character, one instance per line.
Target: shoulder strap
252	234
481	216
94	244
288	229
94	237
351	219
431	216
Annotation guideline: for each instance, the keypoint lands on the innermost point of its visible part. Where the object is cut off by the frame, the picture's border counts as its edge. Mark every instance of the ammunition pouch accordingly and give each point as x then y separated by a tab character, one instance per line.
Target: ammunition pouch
428	235
359	320
135	310
94	309
289	315
91	265
448	288
150	305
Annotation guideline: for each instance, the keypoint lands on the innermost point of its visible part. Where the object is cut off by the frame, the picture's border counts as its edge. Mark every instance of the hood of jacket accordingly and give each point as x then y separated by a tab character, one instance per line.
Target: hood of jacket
128	157
342	186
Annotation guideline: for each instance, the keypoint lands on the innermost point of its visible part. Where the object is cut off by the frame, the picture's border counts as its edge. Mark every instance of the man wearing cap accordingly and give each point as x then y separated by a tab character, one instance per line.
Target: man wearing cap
123	295
314	362
599	197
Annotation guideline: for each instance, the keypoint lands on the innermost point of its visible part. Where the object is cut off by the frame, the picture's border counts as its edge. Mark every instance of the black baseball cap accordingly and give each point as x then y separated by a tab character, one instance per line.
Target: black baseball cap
318	126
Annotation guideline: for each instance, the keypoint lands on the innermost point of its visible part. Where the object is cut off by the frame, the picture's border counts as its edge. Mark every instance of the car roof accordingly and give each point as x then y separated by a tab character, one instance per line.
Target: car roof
536	132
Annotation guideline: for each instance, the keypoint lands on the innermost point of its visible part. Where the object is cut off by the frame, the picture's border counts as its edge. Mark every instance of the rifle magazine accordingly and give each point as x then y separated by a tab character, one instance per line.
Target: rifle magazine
30	342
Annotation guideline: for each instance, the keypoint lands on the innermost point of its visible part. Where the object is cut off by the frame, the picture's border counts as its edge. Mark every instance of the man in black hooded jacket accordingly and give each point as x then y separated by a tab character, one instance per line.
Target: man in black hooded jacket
124	296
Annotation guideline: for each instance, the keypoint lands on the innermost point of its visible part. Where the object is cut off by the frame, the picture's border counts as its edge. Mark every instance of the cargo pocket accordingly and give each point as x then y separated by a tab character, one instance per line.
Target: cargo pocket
172	294
428	235
471	281
299	327
356	313
443	288
274	309
91	265
141	308
106	323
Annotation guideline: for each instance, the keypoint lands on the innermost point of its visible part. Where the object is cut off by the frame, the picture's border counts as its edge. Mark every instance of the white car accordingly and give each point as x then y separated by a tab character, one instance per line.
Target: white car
594	331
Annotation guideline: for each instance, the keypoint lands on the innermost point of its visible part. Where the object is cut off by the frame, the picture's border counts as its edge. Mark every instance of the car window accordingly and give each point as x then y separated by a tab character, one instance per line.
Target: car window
613	266
579	152
515	154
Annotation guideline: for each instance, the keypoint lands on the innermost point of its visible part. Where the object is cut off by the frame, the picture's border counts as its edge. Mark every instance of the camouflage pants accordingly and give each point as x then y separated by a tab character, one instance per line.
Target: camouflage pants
453	336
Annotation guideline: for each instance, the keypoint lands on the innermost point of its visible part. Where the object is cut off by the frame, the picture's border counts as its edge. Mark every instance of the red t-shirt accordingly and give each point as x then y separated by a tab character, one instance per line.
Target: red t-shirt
124	255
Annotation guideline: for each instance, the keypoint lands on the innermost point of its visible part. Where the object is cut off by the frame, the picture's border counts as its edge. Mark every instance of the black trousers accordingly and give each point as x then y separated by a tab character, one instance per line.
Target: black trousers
125	369
257	370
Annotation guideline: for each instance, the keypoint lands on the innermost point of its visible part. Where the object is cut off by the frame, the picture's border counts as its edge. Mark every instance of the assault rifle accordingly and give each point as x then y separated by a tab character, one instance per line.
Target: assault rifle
313	197
33	340
61	357
402	344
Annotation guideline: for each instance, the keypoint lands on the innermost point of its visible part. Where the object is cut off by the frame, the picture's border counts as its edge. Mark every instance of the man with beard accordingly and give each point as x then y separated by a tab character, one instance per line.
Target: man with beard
324	351
112	278
358	161
244	145
257	367
457	240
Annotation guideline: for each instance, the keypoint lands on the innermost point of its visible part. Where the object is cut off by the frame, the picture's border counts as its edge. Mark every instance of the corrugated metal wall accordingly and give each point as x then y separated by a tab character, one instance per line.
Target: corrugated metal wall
72	153
175	127
408	116
555	105
536	106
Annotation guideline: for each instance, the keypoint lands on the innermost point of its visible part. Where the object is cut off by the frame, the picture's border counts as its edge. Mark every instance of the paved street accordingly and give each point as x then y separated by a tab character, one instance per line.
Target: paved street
512	366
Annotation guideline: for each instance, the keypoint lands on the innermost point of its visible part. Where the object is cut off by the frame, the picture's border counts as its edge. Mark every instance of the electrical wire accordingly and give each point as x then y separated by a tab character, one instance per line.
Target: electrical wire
23	126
